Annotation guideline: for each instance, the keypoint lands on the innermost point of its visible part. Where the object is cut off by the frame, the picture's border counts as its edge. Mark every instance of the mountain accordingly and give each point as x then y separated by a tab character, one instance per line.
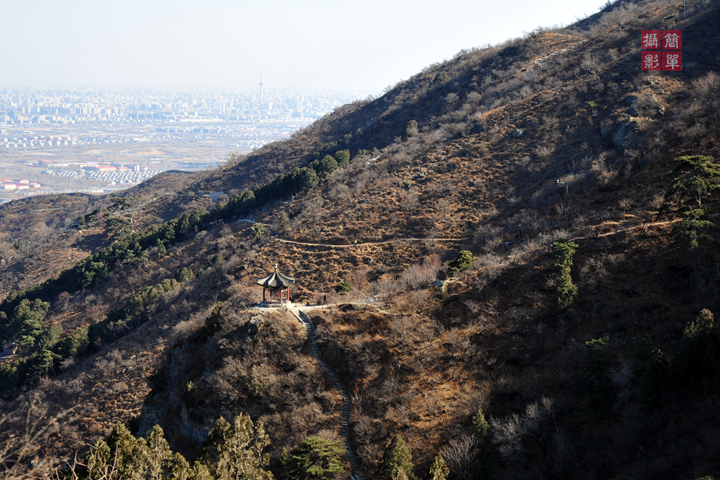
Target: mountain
517	244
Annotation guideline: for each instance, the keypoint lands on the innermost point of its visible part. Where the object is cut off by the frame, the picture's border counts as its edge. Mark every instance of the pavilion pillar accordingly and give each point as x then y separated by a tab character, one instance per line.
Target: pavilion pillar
263	294
271	296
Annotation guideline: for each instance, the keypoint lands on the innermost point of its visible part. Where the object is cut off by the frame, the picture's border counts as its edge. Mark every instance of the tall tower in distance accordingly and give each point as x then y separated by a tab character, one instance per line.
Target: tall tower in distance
261	91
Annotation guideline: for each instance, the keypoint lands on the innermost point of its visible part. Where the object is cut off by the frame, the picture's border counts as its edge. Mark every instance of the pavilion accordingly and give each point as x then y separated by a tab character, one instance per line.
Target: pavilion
276	283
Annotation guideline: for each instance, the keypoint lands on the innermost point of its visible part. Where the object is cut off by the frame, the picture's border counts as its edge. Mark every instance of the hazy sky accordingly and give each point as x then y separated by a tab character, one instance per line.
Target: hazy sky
360	45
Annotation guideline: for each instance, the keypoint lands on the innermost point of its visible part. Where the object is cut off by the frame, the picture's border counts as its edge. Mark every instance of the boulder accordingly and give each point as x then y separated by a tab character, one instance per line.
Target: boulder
607	127
625	130
254	326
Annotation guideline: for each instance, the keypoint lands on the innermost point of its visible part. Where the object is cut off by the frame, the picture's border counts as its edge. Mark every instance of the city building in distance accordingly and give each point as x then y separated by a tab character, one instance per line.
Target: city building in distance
99	140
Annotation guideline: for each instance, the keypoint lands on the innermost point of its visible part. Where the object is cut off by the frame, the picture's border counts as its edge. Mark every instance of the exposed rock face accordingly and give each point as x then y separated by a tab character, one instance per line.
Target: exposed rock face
254	326
624	131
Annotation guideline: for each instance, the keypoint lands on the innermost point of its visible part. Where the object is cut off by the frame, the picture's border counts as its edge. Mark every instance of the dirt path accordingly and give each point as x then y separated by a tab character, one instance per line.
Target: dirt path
304	319
385	242
459	239
623	230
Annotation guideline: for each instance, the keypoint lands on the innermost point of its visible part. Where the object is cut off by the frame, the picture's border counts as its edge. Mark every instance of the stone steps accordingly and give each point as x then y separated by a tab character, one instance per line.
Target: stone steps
345	424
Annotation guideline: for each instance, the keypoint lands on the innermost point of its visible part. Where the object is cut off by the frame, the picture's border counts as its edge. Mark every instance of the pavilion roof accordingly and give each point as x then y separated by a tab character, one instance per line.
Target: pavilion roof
276	280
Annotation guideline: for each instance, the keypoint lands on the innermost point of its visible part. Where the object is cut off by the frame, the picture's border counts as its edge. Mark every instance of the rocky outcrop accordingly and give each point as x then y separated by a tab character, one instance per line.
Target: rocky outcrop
626	129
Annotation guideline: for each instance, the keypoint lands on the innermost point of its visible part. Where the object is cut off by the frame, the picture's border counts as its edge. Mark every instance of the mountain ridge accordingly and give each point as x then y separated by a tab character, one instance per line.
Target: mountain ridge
483	167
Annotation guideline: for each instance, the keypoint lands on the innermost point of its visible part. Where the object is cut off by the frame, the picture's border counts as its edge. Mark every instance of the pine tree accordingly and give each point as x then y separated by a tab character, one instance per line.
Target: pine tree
213	322
342	158
697	178
234	450
158	454
42	363
439	469
482	427
567	291
161	250
462	262
315	458
396	457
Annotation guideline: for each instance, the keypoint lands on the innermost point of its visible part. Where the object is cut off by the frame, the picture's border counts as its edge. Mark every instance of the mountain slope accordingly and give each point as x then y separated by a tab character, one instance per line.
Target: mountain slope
568	392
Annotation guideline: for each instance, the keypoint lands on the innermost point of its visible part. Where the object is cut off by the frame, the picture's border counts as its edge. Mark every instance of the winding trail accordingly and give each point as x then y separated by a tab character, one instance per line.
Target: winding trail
305	320
458	239
299	312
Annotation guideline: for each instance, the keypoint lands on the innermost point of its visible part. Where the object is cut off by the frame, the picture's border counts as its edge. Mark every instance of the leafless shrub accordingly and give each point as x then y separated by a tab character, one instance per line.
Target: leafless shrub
385	287
473	306
525	92
421	275
460	455
242	295
120	387
263	380
474	97
410	201
67	363
339	192
550	121
101	365
35	421
544	151
708	86
590	62
647	105
442	206
486	235
657	201
509	432
625	204
495	133
594	270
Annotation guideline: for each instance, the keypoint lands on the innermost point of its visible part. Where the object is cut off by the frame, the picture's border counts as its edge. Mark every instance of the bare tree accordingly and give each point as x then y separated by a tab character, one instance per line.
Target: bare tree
33	422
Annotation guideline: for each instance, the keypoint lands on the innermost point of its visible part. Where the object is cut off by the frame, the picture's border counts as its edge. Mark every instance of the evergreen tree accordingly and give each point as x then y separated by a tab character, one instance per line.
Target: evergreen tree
598	380
213	322
235	450
314	459
439	469
411	129
482	427
342	158
74	344
49	337
42	363
26	322
307	179
158	456
161	250
698	356
396	457
324	167
697	177
567	291
462	262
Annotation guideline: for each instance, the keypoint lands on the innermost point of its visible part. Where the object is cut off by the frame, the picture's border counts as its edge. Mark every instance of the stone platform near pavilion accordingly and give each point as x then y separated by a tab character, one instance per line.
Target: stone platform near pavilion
275	304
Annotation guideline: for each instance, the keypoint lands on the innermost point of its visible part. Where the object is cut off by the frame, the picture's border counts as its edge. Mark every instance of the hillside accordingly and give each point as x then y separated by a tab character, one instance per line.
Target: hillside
581	326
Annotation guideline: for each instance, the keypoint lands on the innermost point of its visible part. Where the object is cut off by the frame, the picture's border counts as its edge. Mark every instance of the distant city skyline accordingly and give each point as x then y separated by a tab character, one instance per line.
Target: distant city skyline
361	46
